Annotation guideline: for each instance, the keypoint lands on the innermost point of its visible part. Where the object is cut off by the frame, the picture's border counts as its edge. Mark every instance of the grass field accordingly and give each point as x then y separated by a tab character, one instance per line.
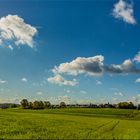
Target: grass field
69	124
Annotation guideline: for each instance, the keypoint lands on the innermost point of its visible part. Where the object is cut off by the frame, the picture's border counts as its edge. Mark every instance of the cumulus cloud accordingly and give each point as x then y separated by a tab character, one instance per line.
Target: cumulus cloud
24	79
126	67
124	11
14	30
58	79
3	81
90	65
137	58
94	66
137	80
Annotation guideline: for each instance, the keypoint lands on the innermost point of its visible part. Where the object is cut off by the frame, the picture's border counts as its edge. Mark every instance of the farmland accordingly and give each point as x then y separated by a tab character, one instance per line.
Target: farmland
73	123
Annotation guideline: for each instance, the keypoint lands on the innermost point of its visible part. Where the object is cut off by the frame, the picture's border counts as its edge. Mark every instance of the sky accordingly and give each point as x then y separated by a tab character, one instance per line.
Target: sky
77	51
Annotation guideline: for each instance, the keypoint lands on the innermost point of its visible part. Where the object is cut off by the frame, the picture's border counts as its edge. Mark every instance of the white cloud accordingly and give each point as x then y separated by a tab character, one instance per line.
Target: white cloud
90	65
10	47
137	58
15	32
24	79
94	66
137	80
126	67
3	81
39	93
98	82
58	79
124	11
119	94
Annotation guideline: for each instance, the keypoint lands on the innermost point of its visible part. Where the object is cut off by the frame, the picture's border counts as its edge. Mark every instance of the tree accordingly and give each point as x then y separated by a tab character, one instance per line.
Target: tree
131	105
30	105
35	104
38	105
41	105
47	104
126	105
62	104
138	106
13	105
25	104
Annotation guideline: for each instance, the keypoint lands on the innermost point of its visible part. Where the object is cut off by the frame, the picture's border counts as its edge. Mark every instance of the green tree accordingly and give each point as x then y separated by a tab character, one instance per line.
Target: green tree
38	105
35	104
62	104
47	104
126	105
24	103
41	105
30	105
138	107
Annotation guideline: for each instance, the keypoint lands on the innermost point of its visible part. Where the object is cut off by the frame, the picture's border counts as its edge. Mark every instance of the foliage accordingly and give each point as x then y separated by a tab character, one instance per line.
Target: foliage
38	105
138	106
47	104
62	104
126	105
25	104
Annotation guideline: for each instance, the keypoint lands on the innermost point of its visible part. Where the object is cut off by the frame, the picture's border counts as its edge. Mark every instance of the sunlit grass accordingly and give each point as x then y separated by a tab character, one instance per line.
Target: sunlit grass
69	124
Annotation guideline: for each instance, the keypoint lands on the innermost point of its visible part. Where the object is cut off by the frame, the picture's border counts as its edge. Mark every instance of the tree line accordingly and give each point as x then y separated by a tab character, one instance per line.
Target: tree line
25	104
40	104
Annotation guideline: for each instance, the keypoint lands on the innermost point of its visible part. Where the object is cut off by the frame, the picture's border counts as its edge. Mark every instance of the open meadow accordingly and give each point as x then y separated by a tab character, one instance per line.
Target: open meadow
73	123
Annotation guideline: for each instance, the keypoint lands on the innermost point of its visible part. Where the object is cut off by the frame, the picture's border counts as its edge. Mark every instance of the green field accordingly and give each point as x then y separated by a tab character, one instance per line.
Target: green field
69	124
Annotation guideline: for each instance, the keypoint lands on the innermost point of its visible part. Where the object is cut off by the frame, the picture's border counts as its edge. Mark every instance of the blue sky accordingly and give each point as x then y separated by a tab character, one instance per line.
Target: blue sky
76	51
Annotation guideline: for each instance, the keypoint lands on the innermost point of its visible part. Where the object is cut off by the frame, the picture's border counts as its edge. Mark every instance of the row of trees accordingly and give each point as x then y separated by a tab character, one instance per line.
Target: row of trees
126	105
46	104
39	104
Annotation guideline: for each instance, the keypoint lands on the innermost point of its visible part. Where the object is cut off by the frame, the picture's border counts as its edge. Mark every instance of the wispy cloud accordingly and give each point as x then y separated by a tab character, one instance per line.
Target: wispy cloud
15	32
124	11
